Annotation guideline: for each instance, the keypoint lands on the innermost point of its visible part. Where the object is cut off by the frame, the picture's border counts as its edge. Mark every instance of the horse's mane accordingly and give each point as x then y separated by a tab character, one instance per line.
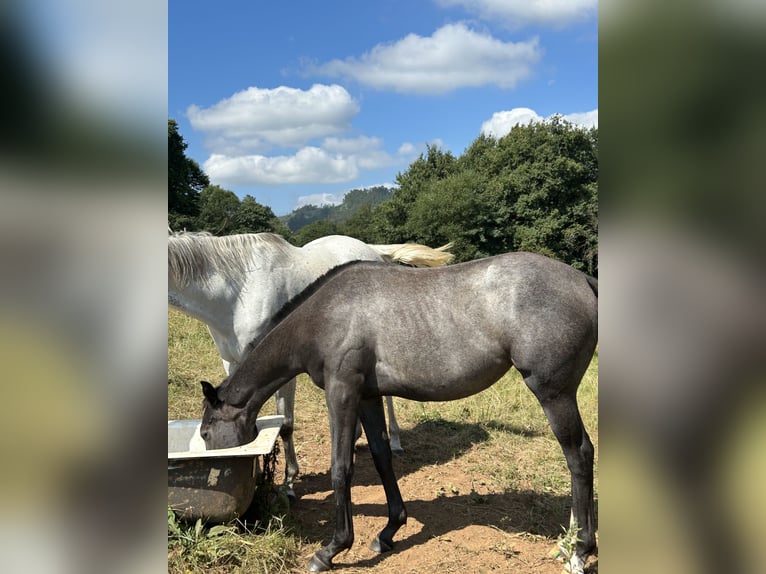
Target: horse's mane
194	256
301	297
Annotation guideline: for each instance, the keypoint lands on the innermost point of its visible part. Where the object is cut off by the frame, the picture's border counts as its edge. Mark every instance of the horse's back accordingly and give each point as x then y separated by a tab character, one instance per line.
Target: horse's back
524	286
333	250
470	321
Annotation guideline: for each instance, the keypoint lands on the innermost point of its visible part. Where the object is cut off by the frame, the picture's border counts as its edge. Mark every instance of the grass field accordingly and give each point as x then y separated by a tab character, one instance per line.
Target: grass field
485	471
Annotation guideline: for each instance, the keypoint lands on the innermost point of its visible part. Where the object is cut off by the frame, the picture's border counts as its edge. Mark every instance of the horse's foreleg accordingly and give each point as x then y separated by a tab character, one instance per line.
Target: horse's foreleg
393	427
567	425
285	398
343	408
374	423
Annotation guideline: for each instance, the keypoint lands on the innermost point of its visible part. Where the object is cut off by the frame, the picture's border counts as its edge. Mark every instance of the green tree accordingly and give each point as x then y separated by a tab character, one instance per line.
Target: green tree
185	180
435	165
552	175
307	214
353	201
218	210
357	199
389	221
252	217
315	231
534	189
359	225
278	227
451	209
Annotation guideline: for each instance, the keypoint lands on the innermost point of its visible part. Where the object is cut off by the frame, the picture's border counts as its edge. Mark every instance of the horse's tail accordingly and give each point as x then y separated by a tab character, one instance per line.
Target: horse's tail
415	254
593	282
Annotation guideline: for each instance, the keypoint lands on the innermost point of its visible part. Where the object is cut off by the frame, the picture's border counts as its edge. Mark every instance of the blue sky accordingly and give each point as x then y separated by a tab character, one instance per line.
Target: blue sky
299	102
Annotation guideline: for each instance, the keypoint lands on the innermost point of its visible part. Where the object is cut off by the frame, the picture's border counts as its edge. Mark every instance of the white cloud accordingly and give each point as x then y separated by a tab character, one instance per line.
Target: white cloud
335	160
256	118
453	57
519	13
501	122
367	152
584	119
308	165
407	149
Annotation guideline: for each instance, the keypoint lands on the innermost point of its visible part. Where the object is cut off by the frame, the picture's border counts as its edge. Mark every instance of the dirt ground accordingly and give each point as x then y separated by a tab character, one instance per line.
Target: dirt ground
457	521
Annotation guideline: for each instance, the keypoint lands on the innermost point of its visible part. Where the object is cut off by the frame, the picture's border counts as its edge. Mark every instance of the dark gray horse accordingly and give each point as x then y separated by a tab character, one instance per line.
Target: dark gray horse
366	330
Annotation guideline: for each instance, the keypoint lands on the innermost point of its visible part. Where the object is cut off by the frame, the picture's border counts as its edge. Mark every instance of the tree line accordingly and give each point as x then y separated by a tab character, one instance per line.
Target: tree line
195	205
534	189
352	202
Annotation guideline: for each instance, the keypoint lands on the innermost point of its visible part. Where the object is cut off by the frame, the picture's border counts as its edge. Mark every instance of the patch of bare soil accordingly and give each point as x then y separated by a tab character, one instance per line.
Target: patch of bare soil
457	521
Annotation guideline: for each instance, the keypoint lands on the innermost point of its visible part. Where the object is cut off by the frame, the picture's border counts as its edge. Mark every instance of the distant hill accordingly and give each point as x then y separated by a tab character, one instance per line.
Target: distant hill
352	202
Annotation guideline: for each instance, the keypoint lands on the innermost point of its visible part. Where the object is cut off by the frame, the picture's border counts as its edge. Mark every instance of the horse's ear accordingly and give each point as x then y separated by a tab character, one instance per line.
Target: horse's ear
210	394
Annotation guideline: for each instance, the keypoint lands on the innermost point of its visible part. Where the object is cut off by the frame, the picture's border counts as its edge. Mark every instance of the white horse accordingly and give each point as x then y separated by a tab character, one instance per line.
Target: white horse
235	284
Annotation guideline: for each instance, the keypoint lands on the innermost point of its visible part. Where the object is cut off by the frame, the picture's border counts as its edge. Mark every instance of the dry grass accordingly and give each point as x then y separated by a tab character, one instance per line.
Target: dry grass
197	548
192	357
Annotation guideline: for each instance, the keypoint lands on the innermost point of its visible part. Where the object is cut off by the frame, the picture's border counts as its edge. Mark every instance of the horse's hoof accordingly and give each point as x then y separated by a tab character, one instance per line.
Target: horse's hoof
575	565
379	546
397	451
291	497
316	564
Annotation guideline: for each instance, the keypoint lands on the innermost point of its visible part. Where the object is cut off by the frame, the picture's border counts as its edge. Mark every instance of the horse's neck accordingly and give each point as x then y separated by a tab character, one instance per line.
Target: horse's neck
278	358
236	310
210	302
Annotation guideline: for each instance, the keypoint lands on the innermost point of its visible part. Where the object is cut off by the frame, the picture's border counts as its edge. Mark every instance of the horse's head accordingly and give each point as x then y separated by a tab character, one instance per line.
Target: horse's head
224	425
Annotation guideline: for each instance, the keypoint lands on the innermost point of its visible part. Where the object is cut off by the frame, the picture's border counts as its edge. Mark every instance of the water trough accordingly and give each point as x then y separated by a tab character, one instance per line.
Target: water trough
215	485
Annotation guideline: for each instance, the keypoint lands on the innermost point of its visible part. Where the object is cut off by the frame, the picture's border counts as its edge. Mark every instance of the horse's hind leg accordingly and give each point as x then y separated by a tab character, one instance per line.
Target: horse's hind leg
393	427
374	423
285	398
566	423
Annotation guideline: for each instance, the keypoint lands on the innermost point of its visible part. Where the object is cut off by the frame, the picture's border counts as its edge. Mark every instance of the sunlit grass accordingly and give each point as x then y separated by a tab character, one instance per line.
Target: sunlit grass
192	357
199	548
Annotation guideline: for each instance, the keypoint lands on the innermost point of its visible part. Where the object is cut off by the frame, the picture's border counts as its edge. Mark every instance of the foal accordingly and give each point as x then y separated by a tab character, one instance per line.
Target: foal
368	330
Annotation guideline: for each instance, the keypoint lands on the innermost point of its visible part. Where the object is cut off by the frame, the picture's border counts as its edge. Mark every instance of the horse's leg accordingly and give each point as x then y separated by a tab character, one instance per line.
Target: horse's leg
374	423
358	433
393	427
285	398
343	407
565	421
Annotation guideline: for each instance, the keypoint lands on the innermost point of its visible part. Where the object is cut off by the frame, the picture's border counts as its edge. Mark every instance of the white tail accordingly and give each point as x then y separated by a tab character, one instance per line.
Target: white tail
415	254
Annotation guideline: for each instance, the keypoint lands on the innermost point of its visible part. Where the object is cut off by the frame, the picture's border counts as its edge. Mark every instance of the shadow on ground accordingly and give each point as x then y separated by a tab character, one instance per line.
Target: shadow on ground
428	443
435	443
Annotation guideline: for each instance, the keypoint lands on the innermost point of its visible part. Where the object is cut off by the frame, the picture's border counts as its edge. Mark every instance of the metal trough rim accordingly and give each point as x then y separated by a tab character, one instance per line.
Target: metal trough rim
268	431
